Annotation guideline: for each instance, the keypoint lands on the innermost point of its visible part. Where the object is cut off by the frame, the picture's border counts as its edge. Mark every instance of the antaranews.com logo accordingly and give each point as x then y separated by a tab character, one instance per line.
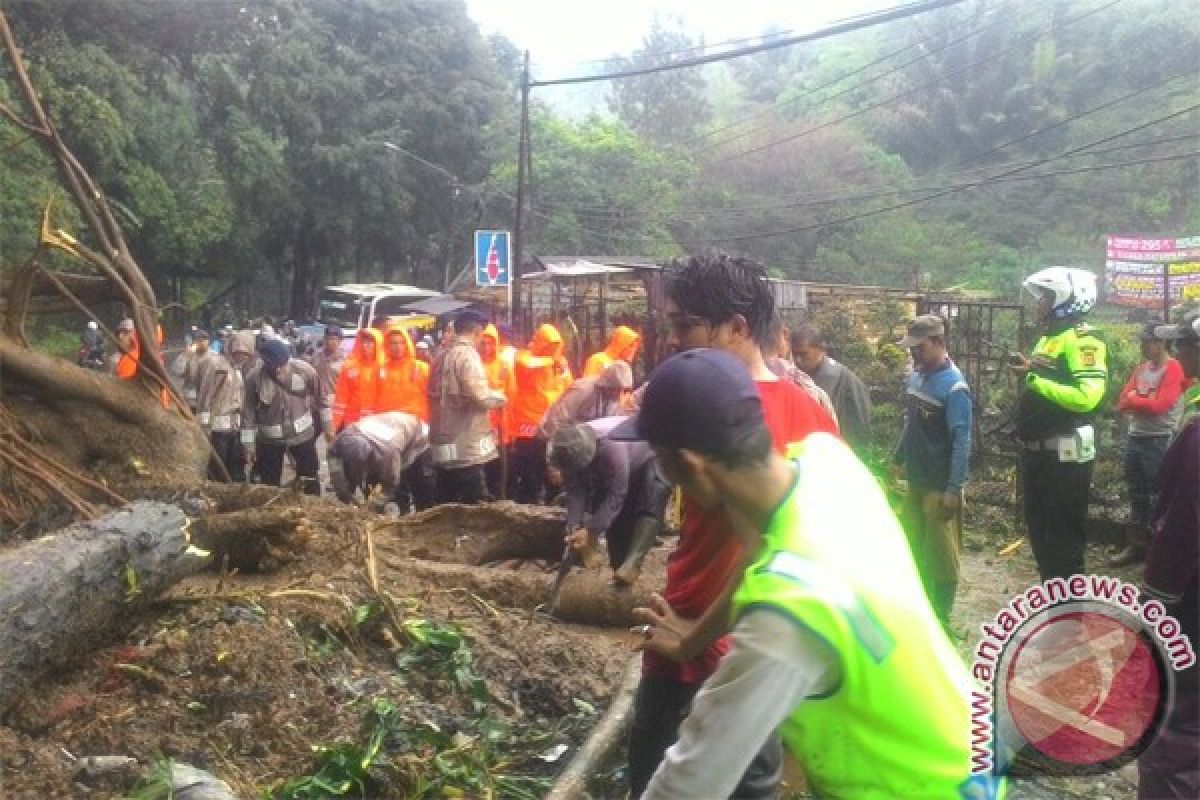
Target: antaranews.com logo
1075	676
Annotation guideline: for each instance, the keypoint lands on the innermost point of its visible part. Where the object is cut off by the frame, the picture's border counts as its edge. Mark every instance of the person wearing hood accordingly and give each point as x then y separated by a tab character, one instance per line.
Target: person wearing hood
460	433
403	378
219	397
499	376
189	366
605	395
242	352
540	376
622	346
281	409
358	383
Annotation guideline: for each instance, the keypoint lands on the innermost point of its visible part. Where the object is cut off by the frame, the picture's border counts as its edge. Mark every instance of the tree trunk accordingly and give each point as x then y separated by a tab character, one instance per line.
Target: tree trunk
66	593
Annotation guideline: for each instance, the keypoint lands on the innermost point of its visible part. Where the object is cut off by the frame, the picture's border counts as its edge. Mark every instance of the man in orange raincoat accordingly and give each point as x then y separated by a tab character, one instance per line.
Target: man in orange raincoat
404	379
622	346
499	378
358	384
540	376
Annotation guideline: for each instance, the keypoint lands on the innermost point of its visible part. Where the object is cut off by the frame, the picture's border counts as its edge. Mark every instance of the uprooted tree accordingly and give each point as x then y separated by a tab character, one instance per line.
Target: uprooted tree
66	432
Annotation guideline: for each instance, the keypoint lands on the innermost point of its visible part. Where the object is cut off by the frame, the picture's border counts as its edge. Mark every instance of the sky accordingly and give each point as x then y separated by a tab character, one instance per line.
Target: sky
560	34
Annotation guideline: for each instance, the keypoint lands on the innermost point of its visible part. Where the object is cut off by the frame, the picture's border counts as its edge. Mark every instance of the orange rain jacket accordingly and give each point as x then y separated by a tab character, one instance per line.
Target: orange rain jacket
358	383
540	376
622	346
499	378
404	382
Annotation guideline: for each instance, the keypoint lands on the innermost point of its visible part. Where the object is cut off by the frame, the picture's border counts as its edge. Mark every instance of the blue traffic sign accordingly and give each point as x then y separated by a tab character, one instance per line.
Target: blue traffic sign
493	258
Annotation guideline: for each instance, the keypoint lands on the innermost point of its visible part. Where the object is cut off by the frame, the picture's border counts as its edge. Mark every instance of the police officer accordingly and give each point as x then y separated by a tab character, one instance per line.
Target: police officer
1064	382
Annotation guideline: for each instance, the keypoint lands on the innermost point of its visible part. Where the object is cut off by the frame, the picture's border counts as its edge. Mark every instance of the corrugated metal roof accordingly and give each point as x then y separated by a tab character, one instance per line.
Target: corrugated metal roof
437	306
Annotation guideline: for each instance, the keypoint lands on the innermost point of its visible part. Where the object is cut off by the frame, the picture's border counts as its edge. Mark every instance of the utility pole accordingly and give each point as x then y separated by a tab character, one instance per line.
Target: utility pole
1166	292
518	254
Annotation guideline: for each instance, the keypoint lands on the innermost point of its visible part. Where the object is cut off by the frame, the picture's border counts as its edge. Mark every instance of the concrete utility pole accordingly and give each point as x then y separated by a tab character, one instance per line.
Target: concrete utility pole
514	311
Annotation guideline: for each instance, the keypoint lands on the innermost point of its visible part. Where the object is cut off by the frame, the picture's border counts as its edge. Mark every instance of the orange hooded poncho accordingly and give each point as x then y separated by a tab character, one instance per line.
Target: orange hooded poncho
622	346
499	377
358	383
403	382
539	377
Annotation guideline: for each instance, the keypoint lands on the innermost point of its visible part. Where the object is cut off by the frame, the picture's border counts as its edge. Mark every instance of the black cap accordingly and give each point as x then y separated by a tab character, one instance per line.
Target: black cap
468	319
698	400
334	331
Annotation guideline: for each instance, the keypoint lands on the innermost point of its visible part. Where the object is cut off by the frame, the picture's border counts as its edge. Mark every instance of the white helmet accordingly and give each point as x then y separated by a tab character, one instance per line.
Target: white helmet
1074	289
92	326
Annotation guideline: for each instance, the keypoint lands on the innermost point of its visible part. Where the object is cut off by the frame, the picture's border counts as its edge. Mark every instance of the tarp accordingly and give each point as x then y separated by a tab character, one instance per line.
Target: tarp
437	306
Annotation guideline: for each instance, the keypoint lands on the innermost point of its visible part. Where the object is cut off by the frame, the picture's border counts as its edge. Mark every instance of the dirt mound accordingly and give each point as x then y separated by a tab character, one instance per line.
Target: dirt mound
295	673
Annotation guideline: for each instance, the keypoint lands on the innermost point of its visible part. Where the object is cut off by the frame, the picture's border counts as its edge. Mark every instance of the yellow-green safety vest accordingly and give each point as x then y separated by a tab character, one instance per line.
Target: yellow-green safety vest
836	562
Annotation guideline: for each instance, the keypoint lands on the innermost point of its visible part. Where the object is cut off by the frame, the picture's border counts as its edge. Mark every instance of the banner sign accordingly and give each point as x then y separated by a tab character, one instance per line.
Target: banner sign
1137	268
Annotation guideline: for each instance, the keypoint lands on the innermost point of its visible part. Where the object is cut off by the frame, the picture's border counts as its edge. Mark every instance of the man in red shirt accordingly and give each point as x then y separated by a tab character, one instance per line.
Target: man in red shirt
724	303
1152	400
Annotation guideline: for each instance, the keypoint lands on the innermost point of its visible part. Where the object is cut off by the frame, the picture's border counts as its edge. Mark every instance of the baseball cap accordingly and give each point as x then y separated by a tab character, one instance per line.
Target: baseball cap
617	375
922	328
334	330
125	325
470	318
1186	329
697	400
199	333
572	448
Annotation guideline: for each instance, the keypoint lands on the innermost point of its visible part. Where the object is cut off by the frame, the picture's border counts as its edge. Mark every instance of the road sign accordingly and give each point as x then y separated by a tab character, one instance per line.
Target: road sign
493	258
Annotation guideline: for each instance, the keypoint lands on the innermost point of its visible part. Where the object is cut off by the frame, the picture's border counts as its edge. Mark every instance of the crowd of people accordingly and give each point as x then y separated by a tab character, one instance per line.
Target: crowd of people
799	610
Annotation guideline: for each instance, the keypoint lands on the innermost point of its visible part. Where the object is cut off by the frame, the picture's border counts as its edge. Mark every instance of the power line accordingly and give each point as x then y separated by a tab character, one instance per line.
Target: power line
853	88
812	202
1104	106
888	101
846	26
948	191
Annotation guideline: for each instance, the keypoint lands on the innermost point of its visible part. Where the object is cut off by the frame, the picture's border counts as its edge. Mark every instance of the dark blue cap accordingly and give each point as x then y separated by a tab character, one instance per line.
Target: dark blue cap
275	352
698	400
334	330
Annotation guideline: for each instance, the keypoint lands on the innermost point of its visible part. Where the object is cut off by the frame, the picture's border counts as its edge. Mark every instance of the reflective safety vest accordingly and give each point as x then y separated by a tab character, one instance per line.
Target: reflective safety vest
836	562
1068	376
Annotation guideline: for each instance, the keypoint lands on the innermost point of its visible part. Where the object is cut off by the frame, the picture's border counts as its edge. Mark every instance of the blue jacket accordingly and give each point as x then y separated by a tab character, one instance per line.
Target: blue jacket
935	446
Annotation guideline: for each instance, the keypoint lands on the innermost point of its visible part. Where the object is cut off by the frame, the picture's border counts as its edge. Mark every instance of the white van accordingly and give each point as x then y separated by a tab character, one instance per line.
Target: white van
352	306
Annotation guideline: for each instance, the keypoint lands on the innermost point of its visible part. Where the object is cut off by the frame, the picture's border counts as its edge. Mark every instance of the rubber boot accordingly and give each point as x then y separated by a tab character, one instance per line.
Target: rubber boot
645	532
1135	549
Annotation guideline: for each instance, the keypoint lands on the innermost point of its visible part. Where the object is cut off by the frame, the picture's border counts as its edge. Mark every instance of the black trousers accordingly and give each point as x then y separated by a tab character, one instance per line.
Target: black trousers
1056	506
460	484
659	708
419	485
527	470
493	478
648	496
228	448
270	464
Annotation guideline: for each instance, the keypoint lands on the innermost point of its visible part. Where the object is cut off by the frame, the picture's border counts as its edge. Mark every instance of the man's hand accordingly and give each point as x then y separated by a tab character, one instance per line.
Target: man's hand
951	503
664	632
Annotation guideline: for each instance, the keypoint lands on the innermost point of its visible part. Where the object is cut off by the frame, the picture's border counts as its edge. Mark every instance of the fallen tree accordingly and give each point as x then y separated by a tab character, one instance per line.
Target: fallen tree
71	590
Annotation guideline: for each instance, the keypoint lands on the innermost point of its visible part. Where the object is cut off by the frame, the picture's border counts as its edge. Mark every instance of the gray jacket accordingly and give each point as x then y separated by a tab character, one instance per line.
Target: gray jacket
582	402
605	484
282	410
327	372
393	441
460	431
219	396
850	398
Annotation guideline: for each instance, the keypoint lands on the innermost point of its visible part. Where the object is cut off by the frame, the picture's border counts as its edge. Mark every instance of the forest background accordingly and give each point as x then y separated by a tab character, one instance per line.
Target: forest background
243	143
